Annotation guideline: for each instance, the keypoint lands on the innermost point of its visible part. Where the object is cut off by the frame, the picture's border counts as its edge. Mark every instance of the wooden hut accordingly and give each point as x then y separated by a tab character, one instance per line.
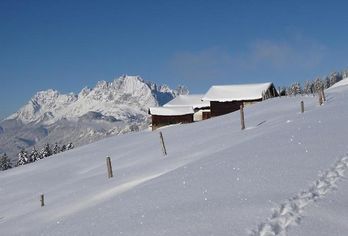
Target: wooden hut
195	101
228	98
162	116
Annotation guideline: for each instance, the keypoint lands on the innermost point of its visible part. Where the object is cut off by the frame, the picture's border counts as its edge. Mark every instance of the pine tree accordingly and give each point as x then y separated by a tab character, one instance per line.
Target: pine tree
318	85
63	148
5	162
295	89
22	158
69	146
34	155
56	149
46	151
308	87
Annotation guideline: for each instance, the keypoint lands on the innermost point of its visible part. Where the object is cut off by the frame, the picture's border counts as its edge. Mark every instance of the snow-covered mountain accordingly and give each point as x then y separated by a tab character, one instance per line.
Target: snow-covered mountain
285	174
109	108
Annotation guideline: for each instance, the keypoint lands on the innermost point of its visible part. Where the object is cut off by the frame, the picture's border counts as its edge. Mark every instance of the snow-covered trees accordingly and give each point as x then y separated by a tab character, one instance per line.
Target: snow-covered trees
56	149
46	151
34	155
308	87
314	86
295	89
24	157
5	162
70	146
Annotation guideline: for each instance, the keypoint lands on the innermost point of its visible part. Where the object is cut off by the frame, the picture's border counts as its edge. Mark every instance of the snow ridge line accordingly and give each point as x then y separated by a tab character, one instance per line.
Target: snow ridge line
289	212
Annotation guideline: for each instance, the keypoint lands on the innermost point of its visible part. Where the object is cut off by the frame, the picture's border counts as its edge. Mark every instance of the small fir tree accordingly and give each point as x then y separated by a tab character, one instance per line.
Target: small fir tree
56	149
63	148
22	158
34	155
46	151
5	162
69	146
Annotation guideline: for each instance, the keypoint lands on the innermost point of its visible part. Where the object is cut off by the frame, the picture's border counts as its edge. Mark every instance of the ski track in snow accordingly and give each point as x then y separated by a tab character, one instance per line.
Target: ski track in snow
289	212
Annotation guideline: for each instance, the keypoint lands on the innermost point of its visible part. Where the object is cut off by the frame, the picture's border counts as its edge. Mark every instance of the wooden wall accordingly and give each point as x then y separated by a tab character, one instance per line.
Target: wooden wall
159	121
222	108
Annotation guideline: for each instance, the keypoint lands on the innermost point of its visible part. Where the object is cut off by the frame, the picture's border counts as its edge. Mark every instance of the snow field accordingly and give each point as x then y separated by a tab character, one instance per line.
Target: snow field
289	213
215	180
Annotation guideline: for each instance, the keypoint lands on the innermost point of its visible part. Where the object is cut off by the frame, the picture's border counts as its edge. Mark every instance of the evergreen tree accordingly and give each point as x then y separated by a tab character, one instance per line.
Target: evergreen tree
46	151
308	87
63	148
69	146
22	158
34	155
5	162
318	85
344	74
295	89
56	149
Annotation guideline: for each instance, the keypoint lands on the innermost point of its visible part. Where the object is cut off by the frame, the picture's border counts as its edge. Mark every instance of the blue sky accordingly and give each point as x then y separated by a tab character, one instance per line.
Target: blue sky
67	45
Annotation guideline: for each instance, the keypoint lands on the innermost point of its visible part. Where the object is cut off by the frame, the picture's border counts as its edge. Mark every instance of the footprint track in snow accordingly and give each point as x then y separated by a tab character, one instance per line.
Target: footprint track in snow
289	213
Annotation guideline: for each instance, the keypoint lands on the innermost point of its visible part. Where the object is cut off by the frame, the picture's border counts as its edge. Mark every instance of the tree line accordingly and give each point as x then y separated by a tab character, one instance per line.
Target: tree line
25	157
313	86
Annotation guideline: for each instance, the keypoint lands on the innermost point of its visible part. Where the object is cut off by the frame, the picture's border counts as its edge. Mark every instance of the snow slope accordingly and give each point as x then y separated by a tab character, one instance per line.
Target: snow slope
280	176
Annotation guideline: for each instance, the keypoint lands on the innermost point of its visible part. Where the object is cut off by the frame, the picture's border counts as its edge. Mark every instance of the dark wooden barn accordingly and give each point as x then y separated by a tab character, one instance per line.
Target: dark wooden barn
163	116
228	98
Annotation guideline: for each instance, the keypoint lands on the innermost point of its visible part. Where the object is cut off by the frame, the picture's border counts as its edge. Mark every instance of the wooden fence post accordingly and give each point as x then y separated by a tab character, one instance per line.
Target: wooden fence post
242	122
302	107
109	167
320	98
42	200
323	95
162	143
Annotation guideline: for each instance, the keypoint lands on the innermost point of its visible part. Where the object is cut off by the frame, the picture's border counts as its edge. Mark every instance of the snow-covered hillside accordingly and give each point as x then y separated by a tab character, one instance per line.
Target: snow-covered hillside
282	175
109	108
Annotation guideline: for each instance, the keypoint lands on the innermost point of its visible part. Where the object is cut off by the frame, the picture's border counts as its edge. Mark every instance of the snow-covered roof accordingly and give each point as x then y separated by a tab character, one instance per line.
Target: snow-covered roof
171	111
194	101
238	92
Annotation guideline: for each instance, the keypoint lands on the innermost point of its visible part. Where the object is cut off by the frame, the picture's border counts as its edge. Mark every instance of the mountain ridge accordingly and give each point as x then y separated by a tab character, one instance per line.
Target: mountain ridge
109	108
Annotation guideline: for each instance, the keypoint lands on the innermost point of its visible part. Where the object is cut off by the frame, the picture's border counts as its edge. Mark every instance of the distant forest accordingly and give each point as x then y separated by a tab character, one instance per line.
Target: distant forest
313	86
25	157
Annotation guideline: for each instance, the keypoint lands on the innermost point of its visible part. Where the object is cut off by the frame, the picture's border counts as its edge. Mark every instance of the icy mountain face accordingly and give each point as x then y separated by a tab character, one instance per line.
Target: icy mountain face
109	108
122	98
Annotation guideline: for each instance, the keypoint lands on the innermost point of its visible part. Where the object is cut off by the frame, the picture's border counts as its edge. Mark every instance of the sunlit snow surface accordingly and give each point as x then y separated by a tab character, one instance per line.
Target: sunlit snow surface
216	179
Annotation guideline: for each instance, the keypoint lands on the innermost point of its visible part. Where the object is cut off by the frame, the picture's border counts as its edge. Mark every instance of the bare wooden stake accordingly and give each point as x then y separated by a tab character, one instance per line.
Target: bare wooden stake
163	145
109	167
242	122
302	107
42	200
320	98
323	95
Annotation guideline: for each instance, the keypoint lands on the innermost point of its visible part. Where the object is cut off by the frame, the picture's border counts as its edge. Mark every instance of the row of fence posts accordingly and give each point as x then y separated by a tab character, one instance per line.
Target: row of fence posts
242	123
110	174
108	159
